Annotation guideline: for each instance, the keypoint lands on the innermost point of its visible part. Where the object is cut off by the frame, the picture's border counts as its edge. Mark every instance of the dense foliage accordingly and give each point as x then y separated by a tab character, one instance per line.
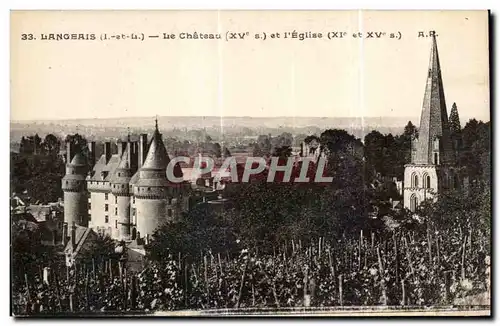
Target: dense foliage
38	167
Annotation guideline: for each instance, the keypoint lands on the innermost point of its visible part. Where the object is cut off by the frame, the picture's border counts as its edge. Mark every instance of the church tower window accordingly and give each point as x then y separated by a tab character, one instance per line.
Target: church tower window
414	180
413	203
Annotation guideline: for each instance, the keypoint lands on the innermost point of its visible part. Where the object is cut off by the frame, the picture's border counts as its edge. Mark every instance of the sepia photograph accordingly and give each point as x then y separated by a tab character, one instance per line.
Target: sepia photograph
221	163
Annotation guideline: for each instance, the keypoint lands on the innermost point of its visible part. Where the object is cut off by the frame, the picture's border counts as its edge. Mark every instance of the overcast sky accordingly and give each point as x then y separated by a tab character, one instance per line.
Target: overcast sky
347	77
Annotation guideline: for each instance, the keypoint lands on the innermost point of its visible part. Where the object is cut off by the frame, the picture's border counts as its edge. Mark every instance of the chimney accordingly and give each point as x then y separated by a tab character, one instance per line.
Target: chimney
143	150
107	151
133	155
121	147
69	152
65	234
73	236
92	153
129	148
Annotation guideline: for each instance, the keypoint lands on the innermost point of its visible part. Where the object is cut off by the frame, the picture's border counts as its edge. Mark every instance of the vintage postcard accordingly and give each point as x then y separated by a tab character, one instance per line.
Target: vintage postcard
250	163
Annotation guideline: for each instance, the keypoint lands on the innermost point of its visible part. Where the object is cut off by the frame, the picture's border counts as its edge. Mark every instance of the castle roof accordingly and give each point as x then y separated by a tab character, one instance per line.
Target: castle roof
434	118
78	159
157	158
83	235
153	172
123	173
134	178
101	168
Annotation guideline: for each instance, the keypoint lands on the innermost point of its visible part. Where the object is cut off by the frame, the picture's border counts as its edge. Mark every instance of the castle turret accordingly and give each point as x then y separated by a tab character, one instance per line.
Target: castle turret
74	187
151	190
120	189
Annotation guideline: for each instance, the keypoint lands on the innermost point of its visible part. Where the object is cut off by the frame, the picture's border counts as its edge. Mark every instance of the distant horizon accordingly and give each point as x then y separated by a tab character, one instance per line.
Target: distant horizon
414	119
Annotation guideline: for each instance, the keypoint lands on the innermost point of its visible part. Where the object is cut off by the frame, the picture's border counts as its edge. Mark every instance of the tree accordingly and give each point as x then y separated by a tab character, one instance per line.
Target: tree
337	141
198	232
476	150
51	145
455	131
264	145
375	151
79	145
283	151
40	175
310	138
30	145
410	130
285	139
298	139
454	120
403	144
28	253
77	140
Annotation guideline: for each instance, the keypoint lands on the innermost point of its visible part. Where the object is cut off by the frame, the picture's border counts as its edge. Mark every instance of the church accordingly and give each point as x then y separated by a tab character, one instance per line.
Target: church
126	195
433	168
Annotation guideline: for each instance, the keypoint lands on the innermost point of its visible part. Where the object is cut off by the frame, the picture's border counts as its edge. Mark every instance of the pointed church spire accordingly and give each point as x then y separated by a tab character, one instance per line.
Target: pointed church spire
434	144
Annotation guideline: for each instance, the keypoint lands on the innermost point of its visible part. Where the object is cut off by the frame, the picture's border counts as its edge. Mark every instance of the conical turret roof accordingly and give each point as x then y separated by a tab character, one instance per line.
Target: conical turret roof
124	163
78	159
123	172
157	158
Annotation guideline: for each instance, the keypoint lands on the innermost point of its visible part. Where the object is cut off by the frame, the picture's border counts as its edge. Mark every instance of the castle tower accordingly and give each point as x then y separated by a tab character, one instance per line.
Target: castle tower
120	189
74	187
151	191
431	169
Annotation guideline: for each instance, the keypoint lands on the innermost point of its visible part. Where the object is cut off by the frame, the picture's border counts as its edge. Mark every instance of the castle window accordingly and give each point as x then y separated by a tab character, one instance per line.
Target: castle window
106	207
90	205
106	219
106	196
116	210
436	161
119	174
116	200
149	188
133	211
116	224
133	200
427	182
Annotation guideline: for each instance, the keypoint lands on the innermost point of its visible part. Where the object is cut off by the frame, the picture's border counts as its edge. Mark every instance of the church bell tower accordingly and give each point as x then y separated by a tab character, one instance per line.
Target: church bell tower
431	170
